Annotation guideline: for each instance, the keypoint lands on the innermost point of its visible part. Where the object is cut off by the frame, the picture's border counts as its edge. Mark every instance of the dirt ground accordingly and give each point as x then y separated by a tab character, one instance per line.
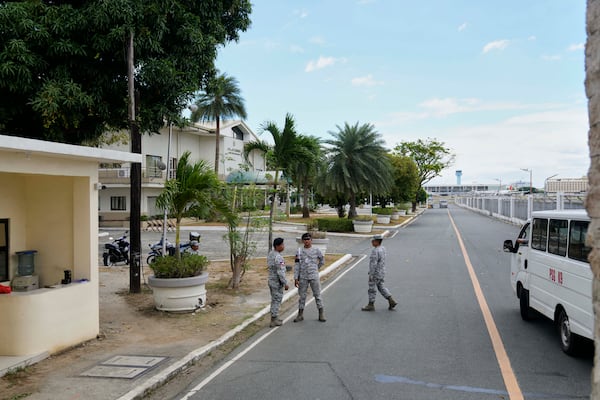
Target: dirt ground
127	318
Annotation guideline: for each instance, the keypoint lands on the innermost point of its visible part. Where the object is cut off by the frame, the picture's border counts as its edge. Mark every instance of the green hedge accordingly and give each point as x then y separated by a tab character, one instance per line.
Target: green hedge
335	224
383	211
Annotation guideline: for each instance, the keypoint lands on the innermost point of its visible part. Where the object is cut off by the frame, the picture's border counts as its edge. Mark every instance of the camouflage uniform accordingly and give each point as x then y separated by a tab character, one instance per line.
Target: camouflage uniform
306	270
377	274
277	280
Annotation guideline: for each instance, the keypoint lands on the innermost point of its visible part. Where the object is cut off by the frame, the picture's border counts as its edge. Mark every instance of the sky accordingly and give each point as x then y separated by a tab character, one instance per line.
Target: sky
500	83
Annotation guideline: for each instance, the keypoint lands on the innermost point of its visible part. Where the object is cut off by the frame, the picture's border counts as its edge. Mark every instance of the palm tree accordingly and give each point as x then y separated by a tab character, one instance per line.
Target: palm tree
195	188
221	99
280	156
305	168
357	163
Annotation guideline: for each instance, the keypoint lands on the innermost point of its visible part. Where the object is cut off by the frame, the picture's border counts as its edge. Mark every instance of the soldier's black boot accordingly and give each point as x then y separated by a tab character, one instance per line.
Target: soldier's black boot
369	307
275	322
392	303
300	316
321	315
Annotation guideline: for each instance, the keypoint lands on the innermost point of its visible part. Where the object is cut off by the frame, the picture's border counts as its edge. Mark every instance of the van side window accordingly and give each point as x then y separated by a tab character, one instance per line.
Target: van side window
577	247
539	234
557	236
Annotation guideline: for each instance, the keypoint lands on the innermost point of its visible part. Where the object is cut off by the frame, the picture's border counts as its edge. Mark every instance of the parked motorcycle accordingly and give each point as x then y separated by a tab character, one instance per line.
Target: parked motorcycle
116	251
156	248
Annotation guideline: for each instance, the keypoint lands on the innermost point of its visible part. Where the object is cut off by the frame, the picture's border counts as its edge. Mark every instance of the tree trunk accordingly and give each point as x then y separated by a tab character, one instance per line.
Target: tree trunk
352	211
217	144
305	210
592	86
236	276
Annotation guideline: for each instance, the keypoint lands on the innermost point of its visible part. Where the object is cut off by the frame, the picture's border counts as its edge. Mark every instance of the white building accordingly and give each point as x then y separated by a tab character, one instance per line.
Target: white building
199	140
567	185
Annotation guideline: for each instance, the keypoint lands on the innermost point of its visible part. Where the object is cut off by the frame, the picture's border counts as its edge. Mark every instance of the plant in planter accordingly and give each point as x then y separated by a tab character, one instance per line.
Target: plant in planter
362	223
178	283
383	214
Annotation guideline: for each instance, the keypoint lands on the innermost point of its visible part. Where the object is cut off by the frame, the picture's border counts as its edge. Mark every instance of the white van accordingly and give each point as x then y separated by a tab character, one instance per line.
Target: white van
551	274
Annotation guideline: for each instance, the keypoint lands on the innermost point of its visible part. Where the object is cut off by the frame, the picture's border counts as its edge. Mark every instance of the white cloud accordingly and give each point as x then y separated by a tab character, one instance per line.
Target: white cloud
462	27
365	81
317	40
550	141
443	107
321	63
296	49
555	57
301	13
495	45
576	47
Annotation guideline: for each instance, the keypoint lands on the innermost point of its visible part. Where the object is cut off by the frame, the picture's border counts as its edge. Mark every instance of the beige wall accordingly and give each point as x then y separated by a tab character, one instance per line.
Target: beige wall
51	204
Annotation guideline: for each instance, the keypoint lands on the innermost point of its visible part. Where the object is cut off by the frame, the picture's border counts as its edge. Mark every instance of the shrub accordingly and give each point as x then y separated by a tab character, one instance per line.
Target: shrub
335	224
383	211
170	267
363	218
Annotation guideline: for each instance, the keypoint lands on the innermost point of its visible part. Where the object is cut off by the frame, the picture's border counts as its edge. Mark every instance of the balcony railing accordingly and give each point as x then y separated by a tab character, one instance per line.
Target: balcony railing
122	175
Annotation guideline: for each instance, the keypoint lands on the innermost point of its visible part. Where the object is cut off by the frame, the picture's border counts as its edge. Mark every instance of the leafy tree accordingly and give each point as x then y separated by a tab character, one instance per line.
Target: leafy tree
280	156
357	163
63	70
195	189
306	165
430	156
406	178
221	99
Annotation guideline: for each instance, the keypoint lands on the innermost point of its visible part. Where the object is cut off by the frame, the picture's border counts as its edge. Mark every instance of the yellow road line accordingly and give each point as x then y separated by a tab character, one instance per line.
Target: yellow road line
510	380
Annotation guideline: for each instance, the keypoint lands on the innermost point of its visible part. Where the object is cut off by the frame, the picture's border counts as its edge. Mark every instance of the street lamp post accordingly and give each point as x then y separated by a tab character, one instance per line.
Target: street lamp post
499	184
546	182
530	178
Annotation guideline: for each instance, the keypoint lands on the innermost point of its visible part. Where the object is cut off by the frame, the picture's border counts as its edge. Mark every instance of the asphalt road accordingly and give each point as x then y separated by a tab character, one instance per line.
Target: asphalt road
435	346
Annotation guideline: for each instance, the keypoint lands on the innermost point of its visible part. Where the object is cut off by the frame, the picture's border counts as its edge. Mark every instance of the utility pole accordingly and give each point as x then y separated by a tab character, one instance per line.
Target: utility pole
135	180
530	178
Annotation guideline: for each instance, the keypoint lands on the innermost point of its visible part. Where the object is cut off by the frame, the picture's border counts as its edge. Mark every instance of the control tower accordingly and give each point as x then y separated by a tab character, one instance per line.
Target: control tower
458	176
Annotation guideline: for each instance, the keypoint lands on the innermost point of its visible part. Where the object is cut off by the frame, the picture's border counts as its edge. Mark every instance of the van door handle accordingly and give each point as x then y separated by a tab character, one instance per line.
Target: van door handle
525	264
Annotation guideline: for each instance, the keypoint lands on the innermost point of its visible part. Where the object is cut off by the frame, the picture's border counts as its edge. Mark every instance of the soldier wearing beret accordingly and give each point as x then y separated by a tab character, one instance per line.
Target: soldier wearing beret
377	275
277	280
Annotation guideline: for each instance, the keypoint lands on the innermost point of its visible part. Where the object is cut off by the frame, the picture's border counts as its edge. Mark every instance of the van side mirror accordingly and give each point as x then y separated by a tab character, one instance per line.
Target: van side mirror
508	247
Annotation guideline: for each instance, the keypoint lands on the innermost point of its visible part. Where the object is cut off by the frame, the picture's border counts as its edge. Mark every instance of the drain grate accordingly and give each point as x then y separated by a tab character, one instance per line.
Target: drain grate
123	367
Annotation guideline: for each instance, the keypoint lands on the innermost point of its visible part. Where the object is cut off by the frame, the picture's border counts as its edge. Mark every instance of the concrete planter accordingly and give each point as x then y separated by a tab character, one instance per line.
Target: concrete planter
383	219
362	226
179	294
321	244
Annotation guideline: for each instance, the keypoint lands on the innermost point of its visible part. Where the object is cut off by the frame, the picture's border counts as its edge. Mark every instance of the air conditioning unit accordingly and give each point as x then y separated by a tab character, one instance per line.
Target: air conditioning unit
123	172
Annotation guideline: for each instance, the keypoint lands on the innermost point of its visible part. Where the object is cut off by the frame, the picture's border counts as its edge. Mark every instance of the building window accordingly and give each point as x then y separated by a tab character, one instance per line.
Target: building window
118	203
152	169
3	250
239	135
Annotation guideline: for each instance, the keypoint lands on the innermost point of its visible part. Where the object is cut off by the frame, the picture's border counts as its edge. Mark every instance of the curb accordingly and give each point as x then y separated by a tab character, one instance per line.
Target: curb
168	373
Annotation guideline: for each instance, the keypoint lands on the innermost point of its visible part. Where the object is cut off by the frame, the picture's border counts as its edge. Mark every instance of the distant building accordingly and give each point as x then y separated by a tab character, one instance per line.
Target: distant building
445	190
567	185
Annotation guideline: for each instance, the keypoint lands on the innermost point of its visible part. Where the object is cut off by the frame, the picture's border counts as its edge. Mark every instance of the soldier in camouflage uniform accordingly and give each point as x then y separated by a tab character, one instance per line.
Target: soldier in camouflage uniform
277	280
308	261
377	275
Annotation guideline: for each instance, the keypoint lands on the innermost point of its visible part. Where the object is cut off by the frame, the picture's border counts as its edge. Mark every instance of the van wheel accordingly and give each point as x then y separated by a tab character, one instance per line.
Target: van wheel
526	311
568	340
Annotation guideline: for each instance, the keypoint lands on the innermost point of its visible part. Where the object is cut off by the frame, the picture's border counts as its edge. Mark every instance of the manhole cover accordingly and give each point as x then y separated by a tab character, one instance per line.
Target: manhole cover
123	367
